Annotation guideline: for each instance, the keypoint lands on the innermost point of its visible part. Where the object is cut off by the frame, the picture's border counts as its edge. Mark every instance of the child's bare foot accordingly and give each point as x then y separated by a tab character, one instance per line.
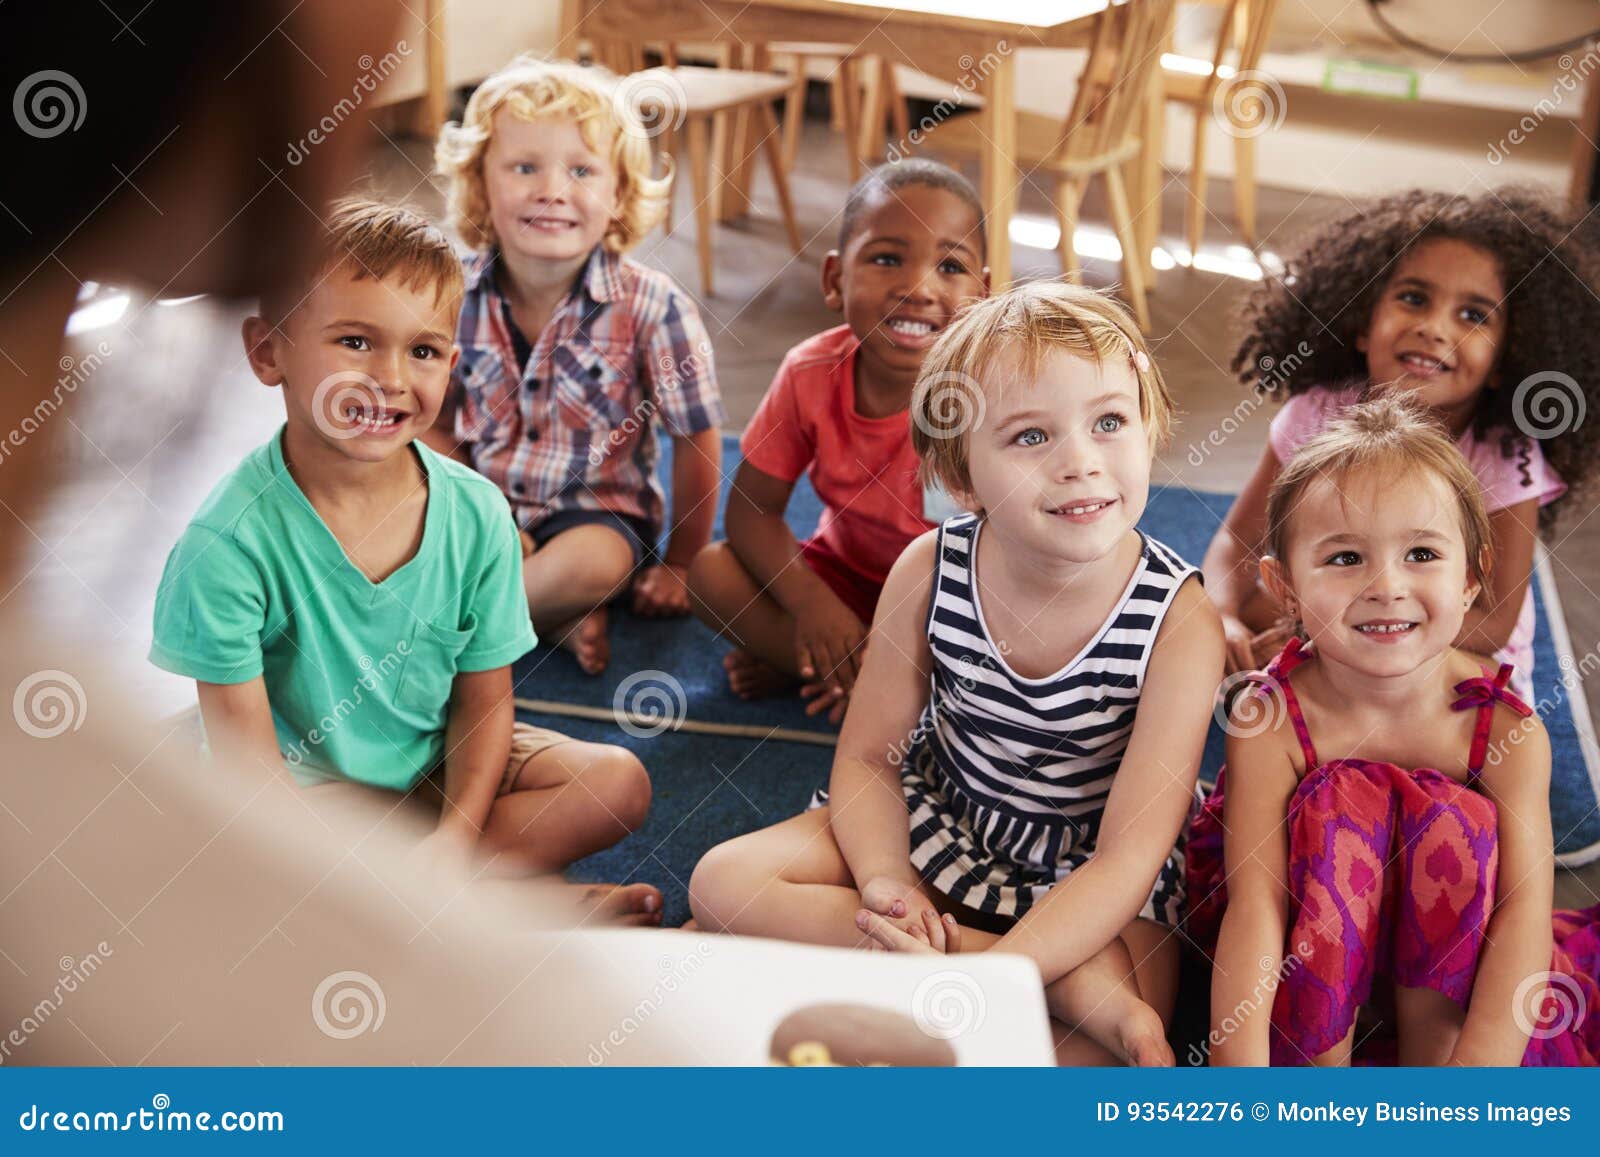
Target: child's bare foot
1143	1039
750	678
588	640
625	905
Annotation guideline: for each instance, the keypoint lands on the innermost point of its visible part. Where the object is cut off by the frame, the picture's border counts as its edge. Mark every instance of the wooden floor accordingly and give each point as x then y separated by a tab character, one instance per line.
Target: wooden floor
173	406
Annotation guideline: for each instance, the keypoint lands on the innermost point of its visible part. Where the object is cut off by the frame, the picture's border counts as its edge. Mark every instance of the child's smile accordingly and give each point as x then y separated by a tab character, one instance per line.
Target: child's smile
551	195
1438	327
909	265
1378	569
1062	460
364	363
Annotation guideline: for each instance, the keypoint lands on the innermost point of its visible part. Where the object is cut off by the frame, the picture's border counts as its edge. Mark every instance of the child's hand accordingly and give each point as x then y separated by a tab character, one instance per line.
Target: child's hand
895	898
661	591
827	651
1241	648
931	933
822	697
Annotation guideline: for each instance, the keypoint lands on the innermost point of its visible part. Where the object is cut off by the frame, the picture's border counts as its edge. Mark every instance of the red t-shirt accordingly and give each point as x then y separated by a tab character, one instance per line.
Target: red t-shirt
863	469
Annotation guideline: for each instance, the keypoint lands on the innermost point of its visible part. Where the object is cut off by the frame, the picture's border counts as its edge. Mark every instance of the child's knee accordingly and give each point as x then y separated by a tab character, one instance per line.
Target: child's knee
621	786
710	572
718	887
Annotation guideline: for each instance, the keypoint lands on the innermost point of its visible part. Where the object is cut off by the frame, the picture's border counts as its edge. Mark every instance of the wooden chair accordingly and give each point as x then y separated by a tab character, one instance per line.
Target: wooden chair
1100	135
699	96
1243	34
864	92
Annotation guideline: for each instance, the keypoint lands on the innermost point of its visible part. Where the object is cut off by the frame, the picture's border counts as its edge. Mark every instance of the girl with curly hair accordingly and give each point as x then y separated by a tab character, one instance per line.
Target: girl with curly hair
1483	309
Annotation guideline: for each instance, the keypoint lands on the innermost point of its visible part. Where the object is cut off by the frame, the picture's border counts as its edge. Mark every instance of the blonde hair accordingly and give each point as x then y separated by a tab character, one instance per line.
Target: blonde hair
377	240
1388	433
532	88
1025	321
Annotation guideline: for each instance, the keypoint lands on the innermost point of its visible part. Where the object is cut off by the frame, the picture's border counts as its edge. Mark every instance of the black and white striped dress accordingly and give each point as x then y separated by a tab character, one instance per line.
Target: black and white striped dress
1010	777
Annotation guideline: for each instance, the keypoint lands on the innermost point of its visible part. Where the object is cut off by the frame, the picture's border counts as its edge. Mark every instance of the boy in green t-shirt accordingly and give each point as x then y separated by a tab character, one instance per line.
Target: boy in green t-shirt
349	603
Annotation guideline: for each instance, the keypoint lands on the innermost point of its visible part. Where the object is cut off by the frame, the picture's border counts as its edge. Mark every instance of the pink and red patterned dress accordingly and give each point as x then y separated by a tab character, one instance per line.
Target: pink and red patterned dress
1392	875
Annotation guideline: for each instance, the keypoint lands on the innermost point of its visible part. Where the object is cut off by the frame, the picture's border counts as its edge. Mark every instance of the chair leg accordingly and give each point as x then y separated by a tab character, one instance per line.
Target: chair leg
871	141
1195	218
836	98
700	167
1244	188
1128	237
670	150
898	112
720	134
852	116
780	174
1069	193
794	114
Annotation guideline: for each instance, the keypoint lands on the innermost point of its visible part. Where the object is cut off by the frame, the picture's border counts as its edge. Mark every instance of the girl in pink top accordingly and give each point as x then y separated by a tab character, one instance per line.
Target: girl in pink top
1483	309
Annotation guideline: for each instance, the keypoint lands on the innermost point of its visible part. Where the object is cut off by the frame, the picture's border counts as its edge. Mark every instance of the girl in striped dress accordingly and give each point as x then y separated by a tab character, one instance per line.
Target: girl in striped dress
1022	746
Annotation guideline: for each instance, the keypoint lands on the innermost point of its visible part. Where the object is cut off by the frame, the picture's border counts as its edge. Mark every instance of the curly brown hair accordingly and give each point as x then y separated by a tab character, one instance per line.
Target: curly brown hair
1300	327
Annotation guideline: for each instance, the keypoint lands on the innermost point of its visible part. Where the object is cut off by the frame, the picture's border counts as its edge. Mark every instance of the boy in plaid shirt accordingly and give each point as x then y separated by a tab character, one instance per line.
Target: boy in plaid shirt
569	350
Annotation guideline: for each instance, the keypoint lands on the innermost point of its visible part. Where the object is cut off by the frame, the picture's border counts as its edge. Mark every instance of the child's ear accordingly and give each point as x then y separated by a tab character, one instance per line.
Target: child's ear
1276	579
988	285
832	294
1485	567
262	350
455	356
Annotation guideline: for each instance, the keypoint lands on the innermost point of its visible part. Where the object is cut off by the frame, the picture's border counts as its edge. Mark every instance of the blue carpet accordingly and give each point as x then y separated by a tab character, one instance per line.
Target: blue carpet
708	789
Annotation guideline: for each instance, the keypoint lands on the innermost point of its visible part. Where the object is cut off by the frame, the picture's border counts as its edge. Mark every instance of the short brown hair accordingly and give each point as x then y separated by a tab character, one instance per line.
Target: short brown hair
376	240
1390	432
1026	321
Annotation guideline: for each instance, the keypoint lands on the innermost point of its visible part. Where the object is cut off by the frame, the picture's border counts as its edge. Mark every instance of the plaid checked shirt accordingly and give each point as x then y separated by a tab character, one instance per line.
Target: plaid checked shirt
576	430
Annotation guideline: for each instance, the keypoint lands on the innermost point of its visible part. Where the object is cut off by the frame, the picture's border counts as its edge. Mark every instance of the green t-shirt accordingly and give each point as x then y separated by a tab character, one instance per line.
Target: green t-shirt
358	673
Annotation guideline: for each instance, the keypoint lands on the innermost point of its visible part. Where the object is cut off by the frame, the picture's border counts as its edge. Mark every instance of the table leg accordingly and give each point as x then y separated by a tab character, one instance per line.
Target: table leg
999	169
746	142
1151	178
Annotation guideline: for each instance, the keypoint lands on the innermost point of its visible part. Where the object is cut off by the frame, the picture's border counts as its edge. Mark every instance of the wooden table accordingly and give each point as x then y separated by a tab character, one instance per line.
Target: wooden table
968	42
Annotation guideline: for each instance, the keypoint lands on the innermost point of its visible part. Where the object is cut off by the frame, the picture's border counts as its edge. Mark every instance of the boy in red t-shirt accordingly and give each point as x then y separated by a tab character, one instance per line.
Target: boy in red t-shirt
911	252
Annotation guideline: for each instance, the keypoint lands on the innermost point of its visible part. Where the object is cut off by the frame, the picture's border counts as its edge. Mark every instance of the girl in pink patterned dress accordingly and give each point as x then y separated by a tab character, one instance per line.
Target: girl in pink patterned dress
1387	813
1483	309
